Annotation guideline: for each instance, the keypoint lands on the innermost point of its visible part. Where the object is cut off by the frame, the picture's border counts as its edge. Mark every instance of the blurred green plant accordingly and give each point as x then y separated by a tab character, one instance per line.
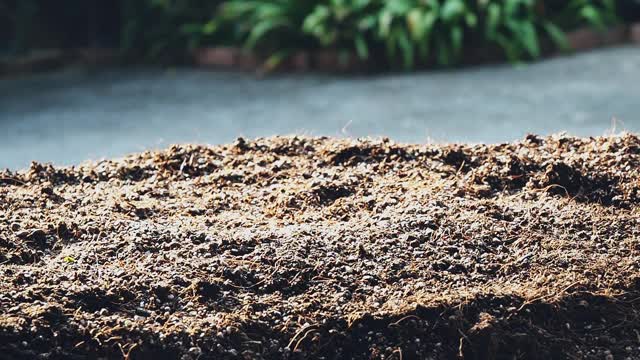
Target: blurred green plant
425	29
344	24
570	14
268	26
408	32
516	27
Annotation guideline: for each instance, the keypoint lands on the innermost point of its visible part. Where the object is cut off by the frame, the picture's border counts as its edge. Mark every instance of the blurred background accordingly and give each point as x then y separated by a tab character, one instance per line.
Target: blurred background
91	79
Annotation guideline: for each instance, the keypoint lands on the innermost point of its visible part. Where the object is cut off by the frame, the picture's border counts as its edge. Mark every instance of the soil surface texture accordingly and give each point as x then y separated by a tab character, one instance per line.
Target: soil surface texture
300	247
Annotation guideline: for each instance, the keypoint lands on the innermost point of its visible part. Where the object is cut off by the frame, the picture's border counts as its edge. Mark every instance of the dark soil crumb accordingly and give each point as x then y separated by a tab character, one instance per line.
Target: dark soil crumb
295	247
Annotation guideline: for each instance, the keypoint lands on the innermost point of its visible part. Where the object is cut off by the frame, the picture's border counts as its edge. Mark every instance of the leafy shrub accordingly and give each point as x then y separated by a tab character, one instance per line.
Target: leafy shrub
343	24
404	32
273	26
574	13
515	26
407	31
425	28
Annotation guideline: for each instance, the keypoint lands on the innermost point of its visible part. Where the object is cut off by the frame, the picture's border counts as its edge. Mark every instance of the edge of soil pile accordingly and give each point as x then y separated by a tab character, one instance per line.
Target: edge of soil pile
322	248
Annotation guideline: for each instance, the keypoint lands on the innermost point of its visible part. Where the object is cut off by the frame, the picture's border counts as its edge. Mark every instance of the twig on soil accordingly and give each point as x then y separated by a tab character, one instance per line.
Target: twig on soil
277	267
460	346
16	181
460	168
399	351
302	338
304	329
128	353
545	189
404	318
113	338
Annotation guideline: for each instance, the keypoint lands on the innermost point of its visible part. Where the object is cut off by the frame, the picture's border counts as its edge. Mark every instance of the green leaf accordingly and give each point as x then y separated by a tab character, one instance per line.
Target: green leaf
557	36
471	19
530	39
391	46
406	47
210	27
414	23
368	22
361	47
511	50
428	24
399	7
267	11
592	15
493	20
385	23
442	51
456	39
275	60
452	9
361	4
262	29
191	28
511	7
232	10
313	21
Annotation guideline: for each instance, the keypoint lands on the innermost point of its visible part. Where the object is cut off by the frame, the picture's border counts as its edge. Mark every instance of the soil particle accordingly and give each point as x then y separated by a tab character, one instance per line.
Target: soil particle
299	247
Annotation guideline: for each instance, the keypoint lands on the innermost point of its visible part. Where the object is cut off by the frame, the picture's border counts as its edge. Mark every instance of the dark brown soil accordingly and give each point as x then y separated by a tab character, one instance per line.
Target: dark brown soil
324	248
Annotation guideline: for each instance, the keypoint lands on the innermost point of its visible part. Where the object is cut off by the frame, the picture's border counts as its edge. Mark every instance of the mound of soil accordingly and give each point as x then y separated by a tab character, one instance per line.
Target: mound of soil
323	248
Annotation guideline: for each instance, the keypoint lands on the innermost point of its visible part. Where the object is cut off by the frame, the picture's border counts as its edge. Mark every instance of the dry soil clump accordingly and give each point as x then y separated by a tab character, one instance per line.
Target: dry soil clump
300	247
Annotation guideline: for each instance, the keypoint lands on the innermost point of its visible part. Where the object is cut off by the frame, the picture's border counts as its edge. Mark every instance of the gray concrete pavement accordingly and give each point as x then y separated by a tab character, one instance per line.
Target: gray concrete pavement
72	116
